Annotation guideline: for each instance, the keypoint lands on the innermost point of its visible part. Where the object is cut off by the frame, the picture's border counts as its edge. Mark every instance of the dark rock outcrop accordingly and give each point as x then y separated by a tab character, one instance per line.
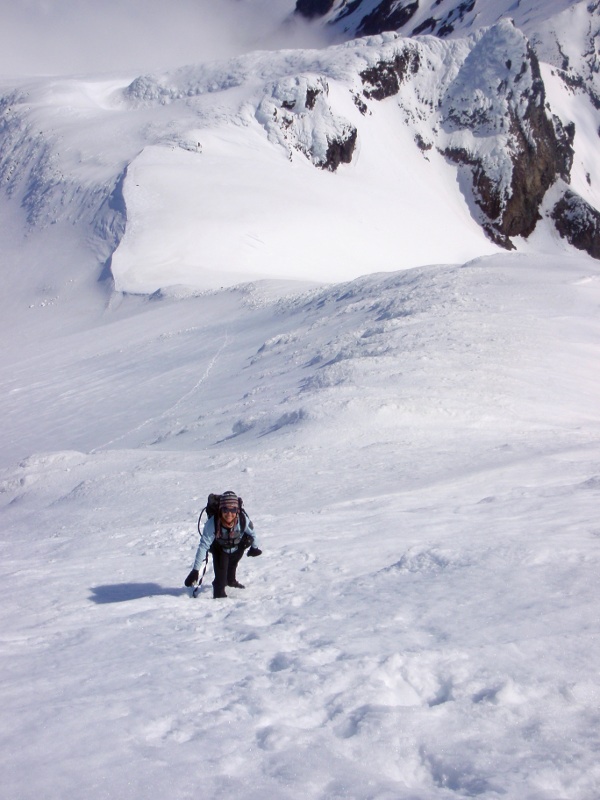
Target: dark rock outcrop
385	78
495	125
486	192
456	15
370	19
538	159
390	15
578	222
340	150
542	153
534	147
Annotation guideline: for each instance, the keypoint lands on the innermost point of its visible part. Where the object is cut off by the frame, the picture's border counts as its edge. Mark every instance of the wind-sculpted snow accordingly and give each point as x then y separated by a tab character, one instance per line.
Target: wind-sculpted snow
296	114
500	57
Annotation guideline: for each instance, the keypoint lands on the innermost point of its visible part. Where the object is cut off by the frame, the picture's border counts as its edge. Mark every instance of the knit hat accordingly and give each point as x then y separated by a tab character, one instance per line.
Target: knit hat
229	502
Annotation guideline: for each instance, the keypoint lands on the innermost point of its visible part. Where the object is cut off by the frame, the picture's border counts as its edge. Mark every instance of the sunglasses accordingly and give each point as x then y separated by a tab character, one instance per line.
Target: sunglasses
229	511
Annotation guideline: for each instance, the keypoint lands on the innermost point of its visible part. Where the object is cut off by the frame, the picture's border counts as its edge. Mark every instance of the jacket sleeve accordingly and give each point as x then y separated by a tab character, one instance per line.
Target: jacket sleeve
206	539
250	530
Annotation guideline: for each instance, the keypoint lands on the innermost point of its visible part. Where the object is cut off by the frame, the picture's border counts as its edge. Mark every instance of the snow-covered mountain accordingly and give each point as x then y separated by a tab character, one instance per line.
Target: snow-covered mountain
383	150
288	273
501	90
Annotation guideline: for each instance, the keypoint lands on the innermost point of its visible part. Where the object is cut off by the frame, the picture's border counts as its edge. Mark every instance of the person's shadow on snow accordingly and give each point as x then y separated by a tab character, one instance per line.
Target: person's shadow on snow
123	592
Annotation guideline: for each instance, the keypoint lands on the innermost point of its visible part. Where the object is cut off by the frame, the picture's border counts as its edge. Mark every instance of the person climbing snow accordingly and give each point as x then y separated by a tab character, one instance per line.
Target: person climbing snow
226	534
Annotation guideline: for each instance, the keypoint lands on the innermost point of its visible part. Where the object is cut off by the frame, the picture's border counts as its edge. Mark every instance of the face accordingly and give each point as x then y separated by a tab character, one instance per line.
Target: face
228	517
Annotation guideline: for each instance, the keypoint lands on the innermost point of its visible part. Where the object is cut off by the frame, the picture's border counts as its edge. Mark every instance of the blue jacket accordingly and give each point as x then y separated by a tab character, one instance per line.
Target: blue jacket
208	536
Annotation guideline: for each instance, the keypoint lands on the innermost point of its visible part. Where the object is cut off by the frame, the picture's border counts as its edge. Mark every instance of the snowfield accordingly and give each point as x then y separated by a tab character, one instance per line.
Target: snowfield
191	304
420	453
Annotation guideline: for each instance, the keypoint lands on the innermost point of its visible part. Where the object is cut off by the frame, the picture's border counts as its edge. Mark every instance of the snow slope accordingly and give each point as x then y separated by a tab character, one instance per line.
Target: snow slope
420	453
188	304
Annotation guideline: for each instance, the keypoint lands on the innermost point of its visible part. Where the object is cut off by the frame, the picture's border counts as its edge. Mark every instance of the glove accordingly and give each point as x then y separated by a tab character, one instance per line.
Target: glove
192	577
254	551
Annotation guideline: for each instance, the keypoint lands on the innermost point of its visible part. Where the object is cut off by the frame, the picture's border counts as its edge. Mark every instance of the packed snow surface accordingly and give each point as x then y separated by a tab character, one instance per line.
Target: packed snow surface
420	453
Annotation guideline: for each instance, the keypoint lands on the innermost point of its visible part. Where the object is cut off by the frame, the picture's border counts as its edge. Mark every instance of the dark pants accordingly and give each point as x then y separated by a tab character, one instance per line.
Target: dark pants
225	565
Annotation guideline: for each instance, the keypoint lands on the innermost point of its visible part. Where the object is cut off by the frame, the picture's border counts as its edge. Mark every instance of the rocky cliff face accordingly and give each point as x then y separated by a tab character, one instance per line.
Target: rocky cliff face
490	119
499	130
493	119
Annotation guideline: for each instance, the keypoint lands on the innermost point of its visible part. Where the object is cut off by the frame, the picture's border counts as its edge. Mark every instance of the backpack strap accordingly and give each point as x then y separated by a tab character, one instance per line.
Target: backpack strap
199	521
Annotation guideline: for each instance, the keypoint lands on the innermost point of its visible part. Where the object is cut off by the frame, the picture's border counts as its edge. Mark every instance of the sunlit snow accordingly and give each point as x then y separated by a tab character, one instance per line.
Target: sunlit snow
411	416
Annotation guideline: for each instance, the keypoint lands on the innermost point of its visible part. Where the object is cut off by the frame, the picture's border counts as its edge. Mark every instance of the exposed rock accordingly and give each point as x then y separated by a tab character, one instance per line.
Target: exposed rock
495	121
385	15
494	124
312	92
577	82
486	193
578	222
385	78
390	15
569	43
541	155
360	103
457	14
517	151
491	117
422	144
340	150
427	26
